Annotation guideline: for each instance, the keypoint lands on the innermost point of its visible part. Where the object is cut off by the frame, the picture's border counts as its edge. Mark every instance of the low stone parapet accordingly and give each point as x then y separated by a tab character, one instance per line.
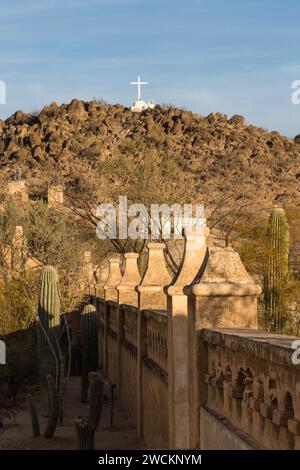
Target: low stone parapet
250	386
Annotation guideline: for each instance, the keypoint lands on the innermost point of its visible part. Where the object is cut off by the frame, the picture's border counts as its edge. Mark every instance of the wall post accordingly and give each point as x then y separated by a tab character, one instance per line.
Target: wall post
127	294
150	296
110	293
178	338
223	296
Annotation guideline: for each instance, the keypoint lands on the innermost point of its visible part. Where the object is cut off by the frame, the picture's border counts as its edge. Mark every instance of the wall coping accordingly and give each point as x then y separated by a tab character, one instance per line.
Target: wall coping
131	255
159	315
112	303
130	307
142	288
204	289
271	347
126	287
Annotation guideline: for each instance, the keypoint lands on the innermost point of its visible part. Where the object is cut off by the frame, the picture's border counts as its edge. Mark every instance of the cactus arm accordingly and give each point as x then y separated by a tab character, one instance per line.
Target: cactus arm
86	427
89	350
95	400
53	413
277	271
34	417
49	315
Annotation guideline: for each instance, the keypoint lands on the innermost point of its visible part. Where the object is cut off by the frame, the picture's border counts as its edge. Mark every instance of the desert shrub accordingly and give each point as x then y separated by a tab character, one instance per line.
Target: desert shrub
17	303
250	238
20	370
54	238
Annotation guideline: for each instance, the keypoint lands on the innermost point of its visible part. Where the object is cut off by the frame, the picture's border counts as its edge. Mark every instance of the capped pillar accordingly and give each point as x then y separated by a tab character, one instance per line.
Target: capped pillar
156	277
195	252
224	296
88	279
101	276
19	249
131	278
113	280
18	189
55	196
127	294
110	294
151	296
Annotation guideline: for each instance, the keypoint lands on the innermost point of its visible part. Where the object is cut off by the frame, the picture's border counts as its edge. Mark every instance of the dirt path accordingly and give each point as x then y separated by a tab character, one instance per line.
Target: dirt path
18	433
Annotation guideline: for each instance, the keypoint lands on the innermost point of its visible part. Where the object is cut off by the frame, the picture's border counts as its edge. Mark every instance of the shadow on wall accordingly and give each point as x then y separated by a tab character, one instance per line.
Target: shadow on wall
21	368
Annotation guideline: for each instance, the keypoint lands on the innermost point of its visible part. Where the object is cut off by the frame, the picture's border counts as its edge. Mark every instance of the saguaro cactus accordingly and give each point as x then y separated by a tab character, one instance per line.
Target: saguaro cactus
49	315
54	408
89	351
49	299
95	400
277	271
53	411
34	417
86	427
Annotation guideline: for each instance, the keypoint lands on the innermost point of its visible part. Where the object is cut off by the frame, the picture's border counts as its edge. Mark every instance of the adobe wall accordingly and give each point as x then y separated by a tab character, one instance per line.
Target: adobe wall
251	382
155	407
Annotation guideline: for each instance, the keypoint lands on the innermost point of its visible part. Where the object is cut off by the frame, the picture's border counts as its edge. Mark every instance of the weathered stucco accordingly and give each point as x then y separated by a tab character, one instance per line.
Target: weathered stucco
112	342
251	381
218	434
155	406
128	384
198	374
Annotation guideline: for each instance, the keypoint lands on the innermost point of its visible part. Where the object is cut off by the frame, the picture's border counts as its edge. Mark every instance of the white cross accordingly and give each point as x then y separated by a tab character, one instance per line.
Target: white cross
139	83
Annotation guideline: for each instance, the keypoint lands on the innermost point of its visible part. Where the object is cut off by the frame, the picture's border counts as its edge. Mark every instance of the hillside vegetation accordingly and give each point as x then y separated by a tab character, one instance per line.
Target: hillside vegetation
217	155
98	152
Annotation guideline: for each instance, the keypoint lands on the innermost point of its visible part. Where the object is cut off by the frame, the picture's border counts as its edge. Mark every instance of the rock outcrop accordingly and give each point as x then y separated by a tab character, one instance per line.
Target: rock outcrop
218	153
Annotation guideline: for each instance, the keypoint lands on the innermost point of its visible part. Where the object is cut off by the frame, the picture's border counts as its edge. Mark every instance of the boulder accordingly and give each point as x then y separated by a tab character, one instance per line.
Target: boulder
297	139
76	109
38	153
21	154
237	120
35	140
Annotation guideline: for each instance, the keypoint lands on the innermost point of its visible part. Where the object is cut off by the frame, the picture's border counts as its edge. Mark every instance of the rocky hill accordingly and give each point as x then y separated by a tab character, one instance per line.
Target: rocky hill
219	154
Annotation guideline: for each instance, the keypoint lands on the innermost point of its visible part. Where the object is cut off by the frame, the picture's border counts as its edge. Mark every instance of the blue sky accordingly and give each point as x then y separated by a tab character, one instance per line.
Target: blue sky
232	56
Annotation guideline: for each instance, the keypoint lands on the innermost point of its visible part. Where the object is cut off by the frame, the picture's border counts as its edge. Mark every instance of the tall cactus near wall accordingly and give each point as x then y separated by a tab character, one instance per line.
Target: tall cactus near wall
86	427
277	270
35	424
54	408
95	394
49	299
49	317
53	411
89	351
